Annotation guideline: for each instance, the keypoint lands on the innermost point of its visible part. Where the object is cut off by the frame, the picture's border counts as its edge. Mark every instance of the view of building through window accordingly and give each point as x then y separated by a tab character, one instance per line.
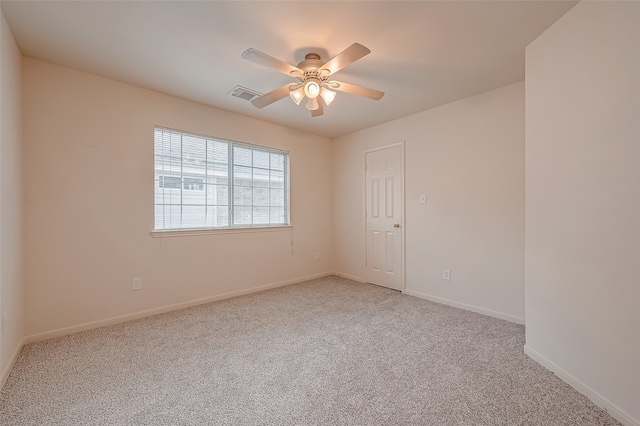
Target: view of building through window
202	182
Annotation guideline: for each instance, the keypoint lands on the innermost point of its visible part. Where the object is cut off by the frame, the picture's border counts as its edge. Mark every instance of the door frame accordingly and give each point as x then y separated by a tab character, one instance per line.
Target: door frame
403	233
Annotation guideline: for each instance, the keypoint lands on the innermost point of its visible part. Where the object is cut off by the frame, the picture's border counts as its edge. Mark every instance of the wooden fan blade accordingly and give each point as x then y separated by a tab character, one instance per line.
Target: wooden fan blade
357	90
257	57
271	97
346	57
318	112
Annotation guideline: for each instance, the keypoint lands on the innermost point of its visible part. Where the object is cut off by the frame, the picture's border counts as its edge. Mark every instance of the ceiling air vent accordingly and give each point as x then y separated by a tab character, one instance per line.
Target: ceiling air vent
244	93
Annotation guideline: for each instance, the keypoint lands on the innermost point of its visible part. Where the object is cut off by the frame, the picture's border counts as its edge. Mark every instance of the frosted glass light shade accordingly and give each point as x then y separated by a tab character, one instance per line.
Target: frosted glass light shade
297	95
327	95
312	88
312	104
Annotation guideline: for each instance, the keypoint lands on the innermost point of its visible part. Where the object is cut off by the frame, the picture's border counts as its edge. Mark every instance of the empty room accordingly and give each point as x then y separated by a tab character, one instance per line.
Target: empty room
320	212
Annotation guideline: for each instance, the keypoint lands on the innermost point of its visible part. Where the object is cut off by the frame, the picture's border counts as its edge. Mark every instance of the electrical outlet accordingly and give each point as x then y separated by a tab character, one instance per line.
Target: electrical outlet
4	323
317	255
136	284
446	274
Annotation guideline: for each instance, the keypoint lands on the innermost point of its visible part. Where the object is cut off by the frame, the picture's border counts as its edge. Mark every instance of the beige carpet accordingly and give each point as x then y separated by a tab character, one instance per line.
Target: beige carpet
327	351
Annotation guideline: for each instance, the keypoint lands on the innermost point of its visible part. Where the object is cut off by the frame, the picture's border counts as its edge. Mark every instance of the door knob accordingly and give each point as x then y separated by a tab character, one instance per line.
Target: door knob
396	225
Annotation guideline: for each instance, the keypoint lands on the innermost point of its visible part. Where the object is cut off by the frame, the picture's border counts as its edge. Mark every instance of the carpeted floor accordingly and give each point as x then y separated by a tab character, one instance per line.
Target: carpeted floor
327	351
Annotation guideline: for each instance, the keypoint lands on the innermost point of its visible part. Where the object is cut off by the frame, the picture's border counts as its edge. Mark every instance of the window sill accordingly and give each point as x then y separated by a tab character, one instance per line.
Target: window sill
218	231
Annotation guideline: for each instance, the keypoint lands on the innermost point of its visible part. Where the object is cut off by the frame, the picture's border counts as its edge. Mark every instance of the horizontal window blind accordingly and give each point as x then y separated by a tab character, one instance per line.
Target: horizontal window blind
204	183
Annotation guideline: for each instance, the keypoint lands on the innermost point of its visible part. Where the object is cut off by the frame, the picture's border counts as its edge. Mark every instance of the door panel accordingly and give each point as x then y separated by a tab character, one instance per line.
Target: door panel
375	200
384	201
389	197
390	246
375	244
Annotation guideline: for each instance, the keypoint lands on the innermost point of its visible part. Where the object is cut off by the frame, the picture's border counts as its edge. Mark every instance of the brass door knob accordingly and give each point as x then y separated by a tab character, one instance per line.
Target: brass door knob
396	225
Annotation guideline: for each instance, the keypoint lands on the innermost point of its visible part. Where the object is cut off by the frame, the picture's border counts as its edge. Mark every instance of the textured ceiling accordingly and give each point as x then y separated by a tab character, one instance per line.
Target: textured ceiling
423	53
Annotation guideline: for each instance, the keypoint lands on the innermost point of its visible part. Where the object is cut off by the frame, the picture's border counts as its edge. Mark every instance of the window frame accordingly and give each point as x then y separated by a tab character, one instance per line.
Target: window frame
231	227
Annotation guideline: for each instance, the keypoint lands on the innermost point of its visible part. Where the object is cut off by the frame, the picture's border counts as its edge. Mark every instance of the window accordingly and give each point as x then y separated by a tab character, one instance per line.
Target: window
169	182
193	184
203	182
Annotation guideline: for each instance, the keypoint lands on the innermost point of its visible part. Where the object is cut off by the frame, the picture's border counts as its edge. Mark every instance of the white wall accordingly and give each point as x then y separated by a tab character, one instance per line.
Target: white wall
468	158
89	204
11	284
583	203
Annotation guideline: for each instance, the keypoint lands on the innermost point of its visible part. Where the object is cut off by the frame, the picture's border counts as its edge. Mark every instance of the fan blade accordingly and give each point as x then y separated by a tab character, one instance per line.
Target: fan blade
257	57
356	90
318	112
346	57
271	97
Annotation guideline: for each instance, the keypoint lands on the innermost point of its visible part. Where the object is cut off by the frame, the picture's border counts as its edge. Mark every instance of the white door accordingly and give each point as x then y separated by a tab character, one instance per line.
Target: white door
384	201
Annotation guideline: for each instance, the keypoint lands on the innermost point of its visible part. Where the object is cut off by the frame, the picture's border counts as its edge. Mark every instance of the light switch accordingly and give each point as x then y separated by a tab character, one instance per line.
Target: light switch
136	284
446	274
423	198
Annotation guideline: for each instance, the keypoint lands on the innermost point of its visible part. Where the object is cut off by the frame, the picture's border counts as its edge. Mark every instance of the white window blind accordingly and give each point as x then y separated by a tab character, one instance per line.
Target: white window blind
203	182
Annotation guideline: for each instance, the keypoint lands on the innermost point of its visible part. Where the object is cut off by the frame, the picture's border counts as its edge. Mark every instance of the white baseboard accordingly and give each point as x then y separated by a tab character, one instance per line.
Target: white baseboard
602	402
349	277
12	362
472	308
161	310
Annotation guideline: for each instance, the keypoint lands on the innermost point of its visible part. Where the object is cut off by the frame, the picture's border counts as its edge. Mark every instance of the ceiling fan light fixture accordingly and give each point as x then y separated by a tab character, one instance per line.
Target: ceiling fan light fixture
297	95
312	87
312	77
327	95
312	104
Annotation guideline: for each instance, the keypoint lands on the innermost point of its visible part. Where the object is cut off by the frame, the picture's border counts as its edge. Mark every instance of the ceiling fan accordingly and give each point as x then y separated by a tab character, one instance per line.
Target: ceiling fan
313	78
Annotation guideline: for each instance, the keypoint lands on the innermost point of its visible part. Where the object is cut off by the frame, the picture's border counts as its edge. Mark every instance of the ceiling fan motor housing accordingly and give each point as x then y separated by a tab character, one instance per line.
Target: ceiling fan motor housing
310	66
